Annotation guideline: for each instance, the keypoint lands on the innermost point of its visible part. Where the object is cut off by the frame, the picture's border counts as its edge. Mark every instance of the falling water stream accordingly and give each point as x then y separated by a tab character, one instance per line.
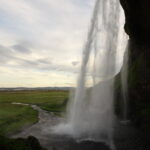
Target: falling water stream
90	114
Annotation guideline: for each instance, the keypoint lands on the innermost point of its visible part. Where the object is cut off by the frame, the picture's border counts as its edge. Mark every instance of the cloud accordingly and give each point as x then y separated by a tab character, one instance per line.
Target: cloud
15	60
44	61
22	48
42	36
6	55
75	63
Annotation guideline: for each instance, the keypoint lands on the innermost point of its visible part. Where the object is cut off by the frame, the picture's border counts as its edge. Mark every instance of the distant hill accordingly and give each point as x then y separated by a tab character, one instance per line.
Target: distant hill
36	88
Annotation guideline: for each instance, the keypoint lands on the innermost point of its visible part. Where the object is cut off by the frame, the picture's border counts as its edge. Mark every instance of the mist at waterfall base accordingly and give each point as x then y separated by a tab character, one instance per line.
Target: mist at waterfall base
90	112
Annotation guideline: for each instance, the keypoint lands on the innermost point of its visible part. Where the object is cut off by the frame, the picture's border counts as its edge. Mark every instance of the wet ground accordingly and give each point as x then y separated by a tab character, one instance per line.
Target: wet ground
126	137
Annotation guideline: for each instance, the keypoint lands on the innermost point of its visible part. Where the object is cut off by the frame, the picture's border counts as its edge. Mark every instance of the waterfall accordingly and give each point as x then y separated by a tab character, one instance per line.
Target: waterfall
90	114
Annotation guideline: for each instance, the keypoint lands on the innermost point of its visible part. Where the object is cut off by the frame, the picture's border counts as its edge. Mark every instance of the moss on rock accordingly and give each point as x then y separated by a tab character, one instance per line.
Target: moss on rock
31	143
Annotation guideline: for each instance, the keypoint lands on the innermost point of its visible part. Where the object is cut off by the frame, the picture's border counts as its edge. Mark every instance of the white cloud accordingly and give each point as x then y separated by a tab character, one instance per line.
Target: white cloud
39	41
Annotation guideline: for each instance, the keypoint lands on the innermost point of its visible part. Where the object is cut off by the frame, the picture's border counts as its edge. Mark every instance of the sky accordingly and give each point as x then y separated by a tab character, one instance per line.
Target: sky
41	41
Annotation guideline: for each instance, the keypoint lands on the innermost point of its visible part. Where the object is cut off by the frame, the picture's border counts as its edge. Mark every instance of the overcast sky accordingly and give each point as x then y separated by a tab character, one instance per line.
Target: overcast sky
41	41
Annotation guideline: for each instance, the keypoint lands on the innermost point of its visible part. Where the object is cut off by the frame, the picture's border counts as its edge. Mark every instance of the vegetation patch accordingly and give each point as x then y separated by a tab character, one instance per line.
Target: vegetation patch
15	117
31	143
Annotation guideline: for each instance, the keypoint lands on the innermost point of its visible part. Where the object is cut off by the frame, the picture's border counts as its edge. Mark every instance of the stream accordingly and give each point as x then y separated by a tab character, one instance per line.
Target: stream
126	137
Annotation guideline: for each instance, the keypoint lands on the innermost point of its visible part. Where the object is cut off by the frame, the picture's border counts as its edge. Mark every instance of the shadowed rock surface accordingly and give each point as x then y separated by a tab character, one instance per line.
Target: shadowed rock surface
137	23
137	26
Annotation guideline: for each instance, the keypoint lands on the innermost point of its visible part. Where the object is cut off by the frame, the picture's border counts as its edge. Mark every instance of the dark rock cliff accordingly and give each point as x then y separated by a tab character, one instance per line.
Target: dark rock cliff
137	26
137	14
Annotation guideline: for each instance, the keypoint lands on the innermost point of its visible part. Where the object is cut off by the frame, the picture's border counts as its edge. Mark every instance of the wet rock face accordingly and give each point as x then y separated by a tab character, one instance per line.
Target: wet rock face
137	26
137	14
88	145
139	85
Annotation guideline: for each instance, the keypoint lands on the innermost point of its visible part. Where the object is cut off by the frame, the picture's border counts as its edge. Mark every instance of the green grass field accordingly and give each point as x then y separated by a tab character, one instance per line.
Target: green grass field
14	117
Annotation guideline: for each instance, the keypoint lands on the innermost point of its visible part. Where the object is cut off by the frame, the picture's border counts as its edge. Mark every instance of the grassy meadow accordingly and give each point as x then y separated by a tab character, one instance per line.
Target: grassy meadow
14	117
